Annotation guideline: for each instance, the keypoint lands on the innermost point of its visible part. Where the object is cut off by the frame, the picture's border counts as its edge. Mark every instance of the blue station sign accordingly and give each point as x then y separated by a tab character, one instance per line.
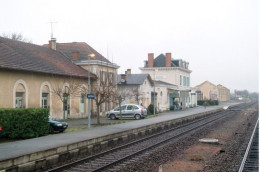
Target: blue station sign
90	96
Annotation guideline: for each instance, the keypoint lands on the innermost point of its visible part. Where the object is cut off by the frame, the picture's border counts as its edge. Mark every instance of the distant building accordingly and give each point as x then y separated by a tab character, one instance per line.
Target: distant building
164	68
210	91
172	71
224	93
242	95
135	88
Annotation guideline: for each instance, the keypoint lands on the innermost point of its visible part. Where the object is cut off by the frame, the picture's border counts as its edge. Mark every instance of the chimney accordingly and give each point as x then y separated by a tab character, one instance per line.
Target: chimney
128	72
150	60
123	79
168	60
75	55
52	43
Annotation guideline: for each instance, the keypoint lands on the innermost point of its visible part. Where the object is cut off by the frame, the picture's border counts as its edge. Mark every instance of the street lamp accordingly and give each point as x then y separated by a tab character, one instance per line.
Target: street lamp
155	70
92	55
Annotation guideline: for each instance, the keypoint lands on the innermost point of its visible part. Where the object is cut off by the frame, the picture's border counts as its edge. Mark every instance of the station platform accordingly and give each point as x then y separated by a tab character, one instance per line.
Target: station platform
14	154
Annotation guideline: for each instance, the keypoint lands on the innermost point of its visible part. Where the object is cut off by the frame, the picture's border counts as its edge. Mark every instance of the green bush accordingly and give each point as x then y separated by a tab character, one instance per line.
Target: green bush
150	110
24	123
208	102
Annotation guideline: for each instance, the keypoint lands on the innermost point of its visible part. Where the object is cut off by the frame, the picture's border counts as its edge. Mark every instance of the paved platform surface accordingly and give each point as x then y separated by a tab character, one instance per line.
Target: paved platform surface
18	148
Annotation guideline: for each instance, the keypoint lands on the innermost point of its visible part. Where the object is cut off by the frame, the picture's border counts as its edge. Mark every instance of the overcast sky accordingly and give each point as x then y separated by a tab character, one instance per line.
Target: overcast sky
219	38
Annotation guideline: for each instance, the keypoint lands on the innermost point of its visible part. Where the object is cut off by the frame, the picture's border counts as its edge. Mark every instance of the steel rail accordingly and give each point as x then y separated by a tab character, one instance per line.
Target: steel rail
128	144
156	145
248	148
75	163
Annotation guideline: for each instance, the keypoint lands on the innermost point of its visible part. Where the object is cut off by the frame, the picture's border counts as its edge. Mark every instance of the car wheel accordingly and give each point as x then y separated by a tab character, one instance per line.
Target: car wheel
112	116
51	130
137	116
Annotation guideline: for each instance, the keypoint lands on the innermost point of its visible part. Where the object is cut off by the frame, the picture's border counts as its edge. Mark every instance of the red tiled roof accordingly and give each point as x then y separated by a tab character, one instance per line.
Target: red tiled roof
83	48
23	56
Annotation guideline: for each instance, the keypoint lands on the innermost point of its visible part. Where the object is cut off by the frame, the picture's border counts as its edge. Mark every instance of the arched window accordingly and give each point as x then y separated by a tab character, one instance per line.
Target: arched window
66	101
45	95
20	94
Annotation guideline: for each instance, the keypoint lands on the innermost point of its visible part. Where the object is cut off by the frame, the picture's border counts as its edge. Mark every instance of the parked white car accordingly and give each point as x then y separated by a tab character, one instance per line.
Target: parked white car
128	111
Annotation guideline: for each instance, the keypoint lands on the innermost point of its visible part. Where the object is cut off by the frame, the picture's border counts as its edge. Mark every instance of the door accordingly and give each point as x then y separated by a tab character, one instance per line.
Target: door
123	111
82	104
129	112
66	106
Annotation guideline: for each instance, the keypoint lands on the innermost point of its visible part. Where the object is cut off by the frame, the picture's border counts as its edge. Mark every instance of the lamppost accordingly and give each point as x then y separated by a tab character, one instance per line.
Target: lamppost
155	70
92	55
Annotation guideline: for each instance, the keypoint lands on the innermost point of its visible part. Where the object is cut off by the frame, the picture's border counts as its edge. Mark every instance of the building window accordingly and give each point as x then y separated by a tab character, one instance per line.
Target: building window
111	78
20	94
66	102
94	69
45	96
102	77
180	80
188	81
45	91
19	100
45	100
184	80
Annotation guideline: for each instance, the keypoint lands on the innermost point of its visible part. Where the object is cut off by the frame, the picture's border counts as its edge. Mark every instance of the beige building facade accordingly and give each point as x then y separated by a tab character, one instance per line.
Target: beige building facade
33	76
83	55
34	90
212	92
224	93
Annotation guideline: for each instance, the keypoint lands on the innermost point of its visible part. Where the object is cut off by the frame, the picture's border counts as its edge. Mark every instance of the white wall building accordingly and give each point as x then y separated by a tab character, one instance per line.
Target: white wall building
135	88
176	72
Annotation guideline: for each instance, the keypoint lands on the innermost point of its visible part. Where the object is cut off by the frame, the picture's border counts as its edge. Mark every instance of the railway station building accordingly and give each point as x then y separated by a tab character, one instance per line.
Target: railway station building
172	72
33	76
211	91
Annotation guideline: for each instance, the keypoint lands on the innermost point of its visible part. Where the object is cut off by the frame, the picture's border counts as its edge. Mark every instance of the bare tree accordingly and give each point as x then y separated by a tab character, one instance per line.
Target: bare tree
65	89
137	94
103	93
16	36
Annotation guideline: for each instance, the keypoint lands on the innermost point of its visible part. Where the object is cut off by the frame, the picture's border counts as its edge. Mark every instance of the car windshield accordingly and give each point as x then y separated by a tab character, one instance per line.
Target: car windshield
51	118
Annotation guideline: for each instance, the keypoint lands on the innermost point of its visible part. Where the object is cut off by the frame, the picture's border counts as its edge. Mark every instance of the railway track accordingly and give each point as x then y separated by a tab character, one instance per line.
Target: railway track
250	162
116	156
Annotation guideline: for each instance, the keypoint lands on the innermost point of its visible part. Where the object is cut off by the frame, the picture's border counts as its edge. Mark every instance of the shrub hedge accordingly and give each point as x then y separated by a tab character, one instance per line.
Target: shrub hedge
24	123
150	110
208	102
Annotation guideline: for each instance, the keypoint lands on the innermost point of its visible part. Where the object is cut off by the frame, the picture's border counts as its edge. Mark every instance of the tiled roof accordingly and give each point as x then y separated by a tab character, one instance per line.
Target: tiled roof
83	48
159	61
133	79
17	55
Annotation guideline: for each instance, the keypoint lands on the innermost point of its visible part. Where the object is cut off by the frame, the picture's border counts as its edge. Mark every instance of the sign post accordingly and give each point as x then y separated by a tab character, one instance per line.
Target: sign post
90	96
